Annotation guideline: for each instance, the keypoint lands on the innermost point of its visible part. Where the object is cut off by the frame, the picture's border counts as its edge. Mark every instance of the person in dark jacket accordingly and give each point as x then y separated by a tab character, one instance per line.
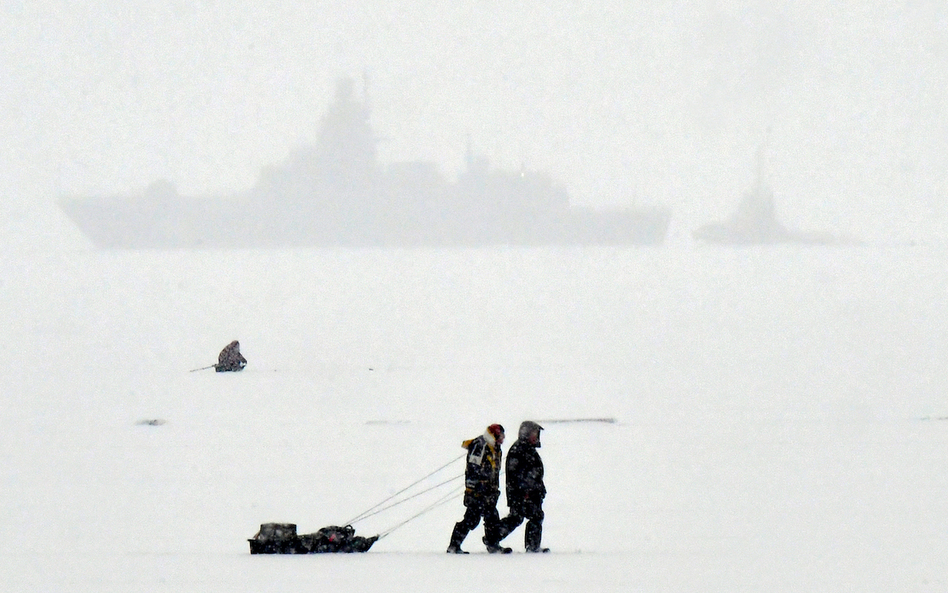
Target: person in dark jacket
481	491
230	358
525	488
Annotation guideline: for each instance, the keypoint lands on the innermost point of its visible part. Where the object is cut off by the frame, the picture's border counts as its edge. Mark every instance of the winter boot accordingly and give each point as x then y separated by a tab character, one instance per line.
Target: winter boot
495	548
457	536
538	550
532	536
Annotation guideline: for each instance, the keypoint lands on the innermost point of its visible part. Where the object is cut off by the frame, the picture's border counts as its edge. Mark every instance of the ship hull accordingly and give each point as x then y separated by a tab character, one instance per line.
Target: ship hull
227	224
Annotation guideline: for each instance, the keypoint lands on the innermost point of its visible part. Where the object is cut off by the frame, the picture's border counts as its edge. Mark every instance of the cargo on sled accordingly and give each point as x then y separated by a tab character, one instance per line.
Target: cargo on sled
281	538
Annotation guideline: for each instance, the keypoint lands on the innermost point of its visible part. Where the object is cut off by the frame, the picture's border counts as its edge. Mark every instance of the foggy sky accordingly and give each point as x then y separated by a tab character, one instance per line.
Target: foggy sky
640	104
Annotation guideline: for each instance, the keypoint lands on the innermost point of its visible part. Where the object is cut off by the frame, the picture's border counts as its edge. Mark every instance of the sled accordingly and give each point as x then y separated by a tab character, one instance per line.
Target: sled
281	538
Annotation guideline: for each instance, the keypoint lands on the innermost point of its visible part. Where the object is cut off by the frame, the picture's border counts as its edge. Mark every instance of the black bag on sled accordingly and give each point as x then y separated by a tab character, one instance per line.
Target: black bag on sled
281	538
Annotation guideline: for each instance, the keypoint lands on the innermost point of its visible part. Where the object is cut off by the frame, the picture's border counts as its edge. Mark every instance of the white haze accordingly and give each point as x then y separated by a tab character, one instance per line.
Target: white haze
780	411
779	415
645	104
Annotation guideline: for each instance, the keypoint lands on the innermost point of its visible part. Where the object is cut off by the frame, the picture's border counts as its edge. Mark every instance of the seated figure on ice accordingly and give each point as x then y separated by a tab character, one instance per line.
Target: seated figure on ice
230	358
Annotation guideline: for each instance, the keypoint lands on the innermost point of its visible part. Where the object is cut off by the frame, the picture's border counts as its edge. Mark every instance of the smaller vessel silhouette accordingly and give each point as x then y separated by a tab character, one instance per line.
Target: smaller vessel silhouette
335	193
755	220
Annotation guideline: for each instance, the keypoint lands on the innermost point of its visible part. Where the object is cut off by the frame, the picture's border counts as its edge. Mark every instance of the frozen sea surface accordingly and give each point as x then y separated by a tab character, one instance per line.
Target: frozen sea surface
779	416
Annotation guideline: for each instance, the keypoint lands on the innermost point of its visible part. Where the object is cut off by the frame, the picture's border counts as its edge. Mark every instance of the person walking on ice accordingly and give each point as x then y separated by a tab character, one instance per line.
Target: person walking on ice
481	491
525	488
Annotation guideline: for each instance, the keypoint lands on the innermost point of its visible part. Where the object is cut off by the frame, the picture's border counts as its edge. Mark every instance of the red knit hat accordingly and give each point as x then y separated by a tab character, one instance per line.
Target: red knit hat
496	429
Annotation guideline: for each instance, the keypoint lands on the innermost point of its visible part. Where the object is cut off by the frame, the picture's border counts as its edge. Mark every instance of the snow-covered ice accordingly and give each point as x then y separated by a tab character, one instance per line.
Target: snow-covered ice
778	415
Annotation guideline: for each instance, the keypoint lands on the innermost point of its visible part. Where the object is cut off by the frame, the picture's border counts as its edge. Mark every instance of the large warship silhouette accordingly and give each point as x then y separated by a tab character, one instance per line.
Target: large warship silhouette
755	220
335	192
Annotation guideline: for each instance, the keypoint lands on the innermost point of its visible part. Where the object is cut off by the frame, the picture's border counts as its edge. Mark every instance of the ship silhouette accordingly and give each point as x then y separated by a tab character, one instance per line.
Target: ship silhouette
335	192
755	222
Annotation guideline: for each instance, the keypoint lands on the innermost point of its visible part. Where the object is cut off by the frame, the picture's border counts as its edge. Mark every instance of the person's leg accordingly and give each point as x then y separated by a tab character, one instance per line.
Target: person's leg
533	533
492	533
510	522
472	516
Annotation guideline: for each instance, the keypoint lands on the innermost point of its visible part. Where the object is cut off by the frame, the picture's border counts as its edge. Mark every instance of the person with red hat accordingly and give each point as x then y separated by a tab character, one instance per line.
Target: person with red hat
481	491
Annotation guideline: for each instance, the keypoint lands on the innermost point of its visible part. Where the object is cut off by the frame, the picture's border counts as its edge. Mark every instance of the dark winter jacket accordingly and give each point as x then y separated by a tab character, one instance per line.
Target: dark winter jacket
524	475
230	358
482	474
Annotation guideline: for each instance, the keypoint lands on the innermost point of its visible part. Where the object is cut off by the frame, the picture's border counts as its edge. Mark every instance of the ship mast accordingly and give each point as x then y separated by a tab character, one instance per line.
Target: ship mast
761	164
365	90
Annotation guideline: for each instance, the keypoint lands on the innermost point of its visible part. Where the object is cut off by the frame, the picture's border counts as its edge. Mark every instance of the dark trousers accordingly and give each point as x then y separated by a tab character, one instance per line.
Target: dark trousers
533	533
477	508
